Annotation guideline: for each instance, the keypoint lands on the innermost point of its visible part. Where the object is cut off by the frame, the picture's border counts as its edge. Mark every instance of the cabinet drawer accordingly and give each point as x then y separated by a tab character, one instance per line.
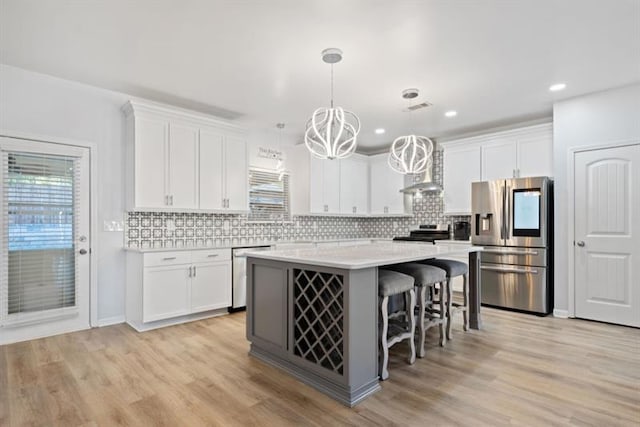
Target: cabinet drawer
167	258
210	255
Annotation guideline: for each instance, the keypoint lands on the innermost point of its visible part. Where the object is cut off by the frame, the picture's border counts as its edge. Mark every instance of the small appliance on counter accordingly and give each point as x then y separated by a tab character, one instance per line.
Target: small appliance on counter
461	230
427	233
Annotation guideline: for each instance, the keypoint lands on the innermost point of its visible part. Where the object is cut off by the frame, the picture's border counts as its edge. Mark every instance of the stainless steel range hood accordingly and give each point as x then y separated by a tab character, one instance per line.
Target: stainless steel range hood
426	185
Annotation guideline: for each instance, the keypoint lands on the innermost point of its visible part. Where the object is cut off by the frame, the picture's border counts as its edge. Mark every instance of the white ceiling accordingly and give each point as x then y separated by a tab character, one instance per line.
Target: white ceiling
259	61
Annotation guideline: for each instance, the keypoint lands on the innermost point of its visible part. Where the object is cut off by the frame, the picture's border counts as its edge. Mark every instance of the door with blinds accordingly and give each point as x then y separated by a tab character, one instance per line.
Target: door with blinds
45	251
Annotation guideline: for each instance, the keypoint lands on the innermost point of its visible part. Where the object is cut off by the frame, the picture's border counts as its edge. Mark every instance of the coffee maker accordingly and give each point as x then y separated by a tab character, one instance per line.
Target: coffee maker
461	230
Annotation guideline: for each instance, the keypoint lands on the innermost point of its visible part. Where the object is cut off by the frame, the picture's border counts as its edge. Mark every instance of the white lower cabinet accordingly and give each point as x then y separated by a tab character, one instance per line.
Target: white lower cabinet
165	288
209	289
165	292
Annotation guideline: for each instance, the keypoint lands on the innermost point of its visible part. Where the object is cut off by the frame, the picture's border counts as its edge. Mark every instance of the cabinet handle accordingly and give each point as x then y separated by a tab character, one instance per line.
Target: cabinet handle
326	208
386	209
194	271
169	258
212	255
189	271
166	200
355	209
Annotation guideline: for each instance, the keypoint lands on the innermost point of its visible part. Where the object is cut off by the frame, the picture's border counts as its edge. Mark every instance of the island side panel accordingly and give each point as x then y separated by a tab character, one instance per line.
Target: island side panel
361	332
267	304
475	293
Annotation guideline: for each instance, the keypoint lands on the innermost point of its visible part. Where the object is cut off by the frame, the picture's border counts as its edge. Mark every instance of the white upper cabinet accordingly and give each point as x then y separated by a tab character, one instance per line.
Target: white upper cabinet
461	168
211	169
236	173
535	155
385	186
354	185
183	166
516	153
499	160
150	162
520	153
324	186
179	160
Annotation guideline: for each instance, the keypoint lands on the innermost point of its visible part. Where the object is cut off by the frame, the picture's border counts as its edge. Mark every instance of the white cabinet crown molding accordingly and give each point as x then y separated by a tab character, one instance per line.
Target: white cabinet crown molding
505	134
136	106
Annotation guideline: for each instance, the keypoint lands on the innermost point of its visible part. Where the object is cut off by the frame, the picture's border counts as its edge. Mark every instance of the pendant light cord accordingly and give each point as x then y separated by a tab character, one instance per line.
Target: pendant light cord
331	85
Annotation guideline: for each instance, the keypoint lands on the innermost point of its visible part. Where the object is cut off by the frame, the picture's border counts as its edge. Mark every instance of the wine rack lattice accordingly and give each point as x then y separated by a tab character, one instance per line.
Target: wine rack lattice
318	318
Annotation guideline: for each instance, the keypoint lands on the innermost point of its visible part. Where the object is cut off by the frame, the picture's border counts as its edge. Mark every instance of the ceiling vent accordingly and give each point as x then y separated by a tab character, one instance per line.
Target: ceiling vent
418	106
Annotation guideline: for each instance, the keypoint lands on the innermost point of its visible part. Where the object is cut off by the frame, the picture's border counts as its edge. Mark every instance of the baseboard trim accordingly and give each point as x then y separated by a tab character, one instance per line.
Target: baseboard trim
108	321
562	314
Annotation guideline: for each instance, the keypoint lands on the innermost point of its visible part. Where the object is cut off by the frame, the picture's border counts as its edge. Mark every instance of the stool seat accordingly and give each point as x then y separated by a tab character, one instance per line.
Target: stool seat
452	267
423	274
393	283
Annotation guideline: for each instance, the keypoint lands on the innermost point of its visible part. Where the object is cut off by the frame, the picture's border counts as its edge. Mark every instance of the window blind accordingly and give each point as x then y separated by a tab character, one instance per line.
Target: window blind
39	219
269	197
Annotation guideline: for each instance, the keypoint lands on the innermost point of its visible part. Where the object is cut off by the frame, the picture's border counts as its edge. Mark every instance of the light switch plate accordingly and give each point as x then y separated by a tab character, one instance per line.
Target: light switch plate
113	225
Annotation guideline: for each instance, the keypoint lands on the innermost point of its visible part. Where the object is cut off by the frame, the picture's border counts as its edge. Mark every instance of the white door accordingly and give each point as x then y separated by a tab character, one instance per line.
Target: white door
211	286
183	167
607	235
461	168
331	185
166	292
45	251
535	156
236	174
211	170
151	163
385	187
498	160
354	191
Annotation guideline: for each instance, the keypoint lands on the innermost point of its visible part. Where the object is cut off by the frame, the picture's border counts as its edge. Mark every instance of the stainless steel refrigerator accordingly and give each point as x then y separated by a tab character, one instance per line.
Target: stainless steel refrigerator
513	220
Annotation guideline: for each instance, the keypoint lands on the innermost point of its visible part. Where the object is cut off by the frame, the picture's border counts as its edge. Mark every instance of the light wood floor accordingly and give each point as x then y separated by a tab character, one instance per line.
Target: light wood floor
520	369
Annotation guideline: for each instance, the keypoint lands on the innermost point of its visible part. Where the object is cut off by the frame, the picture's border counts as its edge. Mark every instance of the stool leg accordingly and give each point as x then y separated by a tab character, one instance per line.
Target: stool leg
421	312
465	312
449	292
443	313
412	326
384	311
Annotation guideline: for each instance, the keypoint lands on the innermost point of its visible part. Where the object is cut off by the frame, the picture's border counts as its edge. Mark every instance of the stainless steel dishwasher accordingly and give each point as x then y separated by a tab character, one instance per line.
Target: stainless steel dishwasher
239	295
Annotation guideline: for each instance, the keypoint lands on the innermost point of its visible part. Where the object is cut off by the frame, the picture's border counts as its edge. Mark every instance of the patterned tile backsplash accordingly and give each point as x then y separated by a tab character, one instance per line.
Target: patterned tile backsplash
176	230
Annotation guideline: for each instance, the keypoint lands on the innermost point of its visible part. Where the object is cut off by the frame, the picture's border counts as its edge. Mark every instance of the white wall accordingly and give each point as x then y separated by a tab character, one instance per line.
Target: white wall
594	119
39	104
43	105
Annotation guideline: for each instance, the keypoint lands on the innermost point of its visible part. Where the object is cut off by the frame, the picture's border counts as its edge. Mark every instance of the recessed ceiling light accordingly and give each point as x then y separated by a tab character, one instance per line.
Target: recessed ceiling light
451	113
379	131
556	87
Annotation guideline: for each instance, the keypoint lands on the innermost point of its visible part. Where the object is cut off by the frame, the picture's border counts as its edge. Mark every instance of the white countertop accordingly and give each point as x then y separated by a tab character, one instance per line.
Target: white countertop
453	242
251	245
365	256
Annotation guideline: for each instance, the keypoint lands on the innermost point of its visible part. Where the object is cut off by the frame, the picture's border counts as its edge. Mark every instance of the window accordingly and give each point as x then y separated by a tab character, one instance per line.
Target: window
39	211
268	196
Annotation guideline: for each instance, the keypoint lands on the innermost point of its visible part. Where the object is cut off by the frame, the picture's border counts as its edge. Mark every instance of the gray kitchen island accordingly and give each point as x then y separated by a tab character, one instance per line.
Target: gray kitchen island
313	312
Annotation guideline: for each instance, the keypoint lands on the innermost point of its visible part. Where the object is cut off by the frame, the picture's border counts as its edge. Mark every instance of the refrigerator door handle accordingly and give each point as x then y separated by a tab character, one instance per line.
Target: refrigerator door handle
507	212
509	270
502	220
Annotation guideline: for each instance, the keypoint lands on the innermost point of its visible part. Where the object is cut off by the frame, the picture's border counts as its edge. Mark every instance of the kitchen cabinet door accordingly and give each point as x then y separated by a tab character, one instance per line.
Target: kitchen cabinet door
354	188
211	162
385	186
166	292
210	286
236	174
324	186
183	167
151	163
535	156
499	160
461	168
